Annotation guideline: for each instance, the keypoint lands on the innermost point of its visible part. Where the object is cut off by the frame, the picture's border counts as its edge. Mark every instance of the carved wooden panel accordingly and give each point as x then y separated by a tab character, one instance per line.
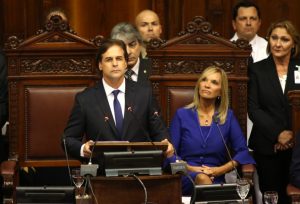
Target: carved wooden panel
178	62
45	72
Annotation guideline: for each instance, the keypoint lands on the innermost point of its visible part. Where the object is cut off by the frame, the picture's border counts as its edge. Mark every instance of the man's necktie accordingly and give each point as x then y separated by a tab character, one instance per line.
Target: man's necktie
250	60
118	112
129	74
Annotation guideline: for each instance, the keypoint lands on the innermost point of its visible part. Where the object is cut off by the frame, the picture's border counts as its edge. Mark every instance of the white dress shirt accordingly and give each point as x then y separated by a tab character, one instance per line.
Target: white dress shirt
135	68
259	47
110	97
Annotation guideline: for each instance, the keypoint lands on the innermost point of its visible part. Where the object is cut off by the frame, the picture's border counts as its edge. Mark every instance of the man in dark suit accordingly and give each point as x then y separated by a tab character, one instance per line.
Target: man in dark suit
295	163
138	69
115	109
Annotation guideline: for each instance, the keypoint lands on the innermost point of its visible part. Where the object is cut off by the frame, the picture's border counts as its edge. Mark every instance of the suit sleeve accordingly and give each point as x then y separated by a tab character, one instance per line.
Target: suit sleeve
75	129
175	133
3	92
158	129
238	143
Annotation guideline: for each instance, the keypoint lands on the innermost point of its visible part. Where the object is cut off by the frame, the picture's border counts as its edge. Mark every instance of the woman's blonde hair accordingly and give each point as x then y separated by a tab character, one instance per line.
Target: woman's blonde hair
222	102
291	30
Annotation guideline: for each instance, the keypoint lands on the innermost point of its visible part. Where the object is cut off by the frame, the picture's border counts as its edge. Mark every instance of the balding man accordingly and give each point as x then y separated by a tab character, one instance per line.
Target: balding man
148	24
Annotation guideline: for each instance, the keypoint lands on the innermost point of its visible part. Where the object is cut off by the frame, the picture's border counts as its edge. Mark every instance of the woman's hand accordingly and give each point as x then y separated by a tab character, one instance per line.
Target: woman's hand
285	137
285	141
202	169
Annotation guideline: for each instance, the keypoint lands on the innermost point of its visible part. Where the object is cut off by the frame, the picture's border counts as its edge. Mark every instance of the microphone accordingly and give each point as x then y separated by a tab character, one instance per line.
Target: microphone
91	169
179	166
216	120
67	157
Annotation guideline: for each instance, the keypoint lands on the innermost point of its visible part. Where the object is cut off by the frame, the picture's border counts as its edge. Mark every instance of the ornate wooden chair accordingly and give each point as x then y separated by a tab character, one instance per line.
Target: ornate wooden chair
44	72
177	63
294	98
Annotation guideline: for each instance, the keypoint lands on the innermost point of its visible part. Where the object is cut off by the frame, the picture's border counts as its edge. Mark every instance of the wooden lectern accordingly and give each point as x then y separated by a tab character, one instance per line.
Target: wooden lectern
161	189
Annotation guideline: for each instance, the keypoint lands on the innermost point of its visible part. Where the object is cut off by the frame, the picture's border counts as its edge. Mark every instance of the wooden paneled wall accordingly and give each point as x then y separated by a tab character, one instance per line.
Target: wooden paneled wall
93	17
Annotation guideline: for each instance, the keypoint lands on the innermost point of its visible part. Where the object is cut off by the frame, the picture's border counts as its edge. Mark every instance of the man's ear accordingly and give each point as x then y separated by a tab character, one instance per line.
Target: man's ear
100	67
233	25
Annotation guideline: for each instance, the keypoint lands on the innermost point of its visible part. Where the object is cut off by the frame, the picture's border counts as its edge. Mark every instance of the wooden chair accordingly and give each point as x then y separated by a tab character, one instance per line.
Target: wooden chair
294	98
45	71
177	63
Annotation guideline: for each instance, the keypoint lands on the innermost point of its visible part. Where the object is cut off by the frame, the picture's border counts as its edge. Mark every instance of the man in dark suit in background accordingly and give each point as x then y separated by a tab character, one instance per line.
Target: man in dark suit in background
115	109
138	69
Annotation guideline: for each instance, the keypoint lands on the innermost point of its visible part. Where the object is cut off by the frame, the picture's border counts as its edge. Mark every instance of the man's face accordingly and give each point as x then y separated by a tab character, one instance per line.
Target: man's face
113	65
148	25
246	23
133	49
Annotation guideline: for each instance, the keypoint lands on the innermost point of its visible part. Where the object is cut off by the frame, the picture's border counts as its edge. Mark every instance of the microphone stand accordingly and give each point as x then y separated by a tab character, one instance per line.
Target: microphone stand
216	120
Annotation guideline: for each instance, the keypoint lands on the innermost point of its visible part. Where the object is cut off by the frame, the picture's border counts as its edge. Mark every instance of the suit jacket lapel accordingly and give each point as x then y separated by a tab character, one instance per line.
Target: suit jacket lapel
290	77
144	69
129	108
272	73
104	106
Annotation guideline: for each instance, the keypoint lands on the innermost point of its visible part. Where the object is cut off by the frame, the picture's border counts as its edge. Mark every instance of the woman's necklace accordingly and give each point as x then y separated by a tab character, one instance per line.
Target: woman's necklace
206	122
205	119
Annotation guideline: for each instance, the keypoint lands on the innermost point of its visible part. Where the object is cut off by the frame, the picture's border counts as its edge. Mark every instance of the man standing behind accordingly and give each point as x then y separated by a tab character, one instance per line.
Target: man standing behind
138	69
115	109
246	23
148	24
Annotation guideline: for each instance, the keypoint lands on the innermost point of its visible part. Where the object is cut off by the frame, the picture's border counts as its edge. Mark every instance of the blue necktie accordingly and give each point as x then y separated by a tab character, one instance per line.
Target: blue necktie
118	112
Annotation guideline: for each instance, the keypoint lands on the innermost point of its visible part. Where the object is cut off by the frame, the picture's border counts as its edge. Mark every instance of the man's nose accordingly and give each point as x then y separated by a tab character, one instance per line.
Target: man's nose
115	62
150	27
128	50
248	22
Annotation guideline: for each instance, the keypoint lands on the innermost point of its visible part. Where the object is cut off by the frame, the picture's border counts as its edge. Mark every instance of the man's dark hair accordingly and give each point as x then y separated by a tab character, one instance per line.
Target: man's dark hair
245	4
108	43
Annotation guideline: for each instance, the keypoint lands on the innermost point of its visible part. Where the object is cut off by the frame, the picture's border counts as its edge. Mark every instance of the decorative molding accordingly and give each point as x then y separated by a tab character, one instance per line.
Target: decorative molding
58	38
13	118
186	66
12	42
243	44
56	23
155	43
12	65
97	40
198	25
56	65
242	105
27	120
198	40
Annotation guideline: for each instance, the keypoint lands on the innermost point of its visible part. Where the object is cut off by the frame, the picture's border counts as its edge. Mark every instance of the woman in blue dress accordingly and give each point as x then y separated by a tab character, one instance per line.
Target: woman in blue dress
196	137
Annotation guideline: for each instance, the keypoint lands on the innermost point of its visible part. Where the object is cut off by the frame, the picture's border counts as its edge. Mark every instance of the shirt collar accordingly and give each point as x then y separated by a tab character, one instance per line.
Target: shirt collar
136	67
252	42
108	89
